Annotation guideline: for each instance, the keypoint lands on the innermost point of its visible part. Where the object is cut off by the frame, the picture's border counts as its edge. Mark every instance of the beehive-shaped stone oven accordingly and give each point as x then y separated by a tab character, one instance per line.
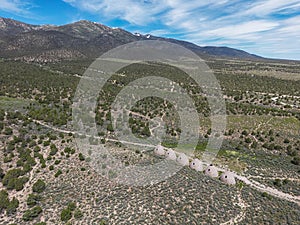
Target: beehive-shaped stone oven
212	171
159	150
196	164
170	155
182	159
228	178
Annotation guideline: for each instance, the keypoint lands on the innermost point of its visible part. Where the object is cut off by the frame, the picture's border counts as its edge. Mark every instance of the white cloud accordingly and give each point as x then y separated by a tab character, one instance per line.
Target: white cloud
271	6
135	12
143	12
13	6
238	30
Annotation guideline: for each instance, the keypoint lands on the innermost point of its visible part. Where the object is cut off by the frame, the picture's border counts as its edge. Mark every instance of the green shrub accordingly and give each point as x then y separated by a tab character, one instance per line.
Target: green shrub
296	160
39	186
8	131
81	157
71	206
78	214
17	183
46	143
27	167
4	201
66	215
12	206
291	152
248	140
285	181
30	214
67	150
37	149
266	195
103	222
53	149
277	182
10	174
1	174
59	172
33	199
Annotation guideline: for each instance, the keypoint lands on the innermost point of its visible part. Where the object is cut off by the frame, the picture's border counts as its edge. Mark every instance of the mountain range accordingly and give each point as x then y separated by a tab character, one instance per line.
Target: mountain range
83	40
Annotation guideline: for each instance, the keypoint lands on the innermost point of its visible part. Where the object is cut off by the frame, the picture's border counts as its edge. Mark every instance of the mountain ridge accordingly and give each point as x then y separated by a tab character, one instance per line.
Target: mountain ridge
84	39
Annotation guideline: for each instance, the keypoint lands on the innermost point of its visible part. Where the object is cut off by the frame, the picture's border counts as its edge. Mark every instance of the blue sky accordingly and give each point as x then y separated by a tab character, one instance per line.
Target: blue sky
269	28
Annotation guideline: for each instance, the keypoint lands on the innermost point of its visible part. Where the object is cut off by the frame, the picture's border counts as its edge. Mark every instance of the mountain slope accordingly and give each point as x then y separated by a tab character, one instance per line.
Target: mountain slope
82	39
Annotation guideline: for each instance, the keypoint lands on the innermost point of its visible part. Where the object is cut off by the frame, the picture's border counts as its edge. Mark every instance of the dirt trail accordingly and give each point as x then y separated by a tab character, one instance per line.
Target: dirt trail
259	126
271	191
148	118
241	216
273	178
208	205
263	123
254	184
